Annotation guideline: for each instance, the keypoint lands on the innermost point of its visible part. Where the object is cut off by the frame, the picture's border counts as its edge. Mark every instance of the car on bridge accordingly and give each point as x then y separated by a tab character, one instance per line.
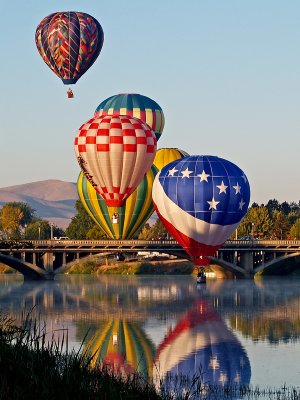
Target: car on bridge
247	237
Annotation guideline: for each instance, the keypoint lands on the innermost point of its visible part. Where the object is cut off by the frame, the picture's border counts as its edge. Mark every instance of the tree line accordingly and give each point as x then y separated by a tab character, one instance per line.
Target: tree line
273	220
18	220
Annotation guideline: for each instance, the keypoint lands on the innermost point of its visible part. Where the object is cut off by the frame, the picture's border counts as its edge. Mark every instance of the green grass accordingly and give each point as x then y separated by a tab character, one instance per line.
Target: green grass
33	369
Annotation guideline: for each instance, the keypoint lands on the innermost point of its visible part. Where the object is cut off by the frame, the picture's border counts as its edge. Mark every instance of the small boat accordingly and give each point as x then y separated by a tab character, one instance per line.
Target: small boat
201	277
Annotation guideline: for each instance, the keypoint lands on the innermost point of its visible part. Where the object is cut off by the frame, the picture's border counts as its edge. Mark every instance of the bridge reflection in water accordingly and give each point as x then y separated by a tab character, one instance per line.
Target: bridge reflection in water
133	321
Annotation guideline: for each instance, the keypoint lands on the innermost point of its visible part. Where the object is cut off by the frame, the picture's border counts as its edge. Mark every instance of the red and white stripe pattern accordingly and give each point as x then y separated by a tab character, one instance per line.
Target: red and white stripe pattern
198	238
114	153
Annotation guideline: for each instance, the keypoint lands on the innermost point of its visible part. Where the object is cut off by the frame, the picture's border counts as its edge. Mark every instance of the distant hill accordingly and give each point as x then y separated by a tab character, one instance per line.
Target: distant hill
52	199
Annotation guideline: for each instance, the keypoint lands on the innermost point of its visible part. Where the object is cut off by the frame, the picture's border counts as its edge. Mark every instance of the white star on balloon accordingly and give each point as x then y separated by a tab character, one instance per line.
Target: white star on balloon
237	188
186	173
241	204
213	204
172	171
214	363
223	378
203	176
222	188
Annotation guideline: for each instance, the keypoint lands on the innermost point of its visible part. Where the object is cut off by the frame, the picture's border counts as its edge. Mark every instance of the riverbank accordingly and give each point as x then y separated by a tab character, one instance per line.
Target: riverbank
165	267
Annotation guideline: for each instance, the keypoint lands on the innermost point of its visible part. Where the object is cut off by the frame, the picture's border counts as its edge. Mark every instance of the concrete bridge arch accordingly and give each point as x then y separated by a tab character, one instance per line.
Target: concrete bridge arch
269	266
227	269
28	270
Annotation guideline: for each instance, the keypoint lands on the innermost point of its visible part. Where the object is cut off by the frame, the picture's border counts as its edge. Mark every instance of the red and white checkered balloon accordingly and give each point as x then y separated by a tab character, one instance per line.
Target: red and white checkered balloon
114	153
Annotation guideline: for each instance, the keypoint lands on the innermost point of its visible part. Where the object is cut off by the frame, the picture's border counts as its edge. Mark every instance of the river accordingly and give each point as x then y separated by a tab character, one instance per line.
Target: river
233	331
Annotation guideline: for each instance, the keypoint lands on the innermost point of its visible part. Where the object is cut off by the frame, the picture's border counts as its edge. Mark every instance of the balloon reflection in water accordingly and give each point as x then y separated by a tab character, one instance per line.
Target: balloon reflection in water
202	343
123	346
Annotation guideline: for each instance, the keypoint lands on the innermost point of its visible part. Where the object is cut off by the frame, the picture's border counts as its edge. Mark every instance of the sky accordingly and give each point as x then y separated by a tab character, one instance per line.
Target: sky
225	73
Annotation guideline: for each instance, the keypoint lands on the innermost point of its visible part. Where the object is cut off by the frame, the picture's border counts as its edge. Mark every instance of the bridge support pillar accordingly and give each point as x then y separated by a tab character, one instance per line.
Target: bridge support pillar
247	262
34	259
64	259
48	264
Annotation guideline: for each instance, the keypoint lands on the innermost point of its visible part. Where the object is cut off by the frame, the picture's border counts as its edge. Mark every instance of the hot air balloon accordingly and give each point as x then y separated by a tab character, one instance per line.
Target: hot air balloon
201	200
201	343
166	155
130	217
69	42
114	153
123	346
134	105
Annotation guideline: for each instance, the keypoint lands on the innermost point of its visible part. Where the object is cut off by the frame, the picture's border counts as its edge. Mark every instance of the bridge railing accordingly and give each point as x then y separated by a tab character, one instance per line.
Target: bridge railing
80	244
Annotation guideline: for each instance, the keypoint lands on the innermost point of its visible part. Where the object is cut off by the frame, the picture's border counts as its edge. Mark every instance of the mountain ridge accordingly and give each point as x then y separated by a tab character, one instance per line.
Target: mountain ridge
52	199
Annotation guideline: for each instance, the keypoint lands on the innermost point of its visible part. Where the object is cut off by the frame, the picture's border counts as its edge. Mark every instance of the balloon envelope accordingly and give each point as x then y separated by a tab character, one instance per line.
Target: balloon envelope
114	153
166	155
134	105
131	216
123	346
201	200
202	343
69	42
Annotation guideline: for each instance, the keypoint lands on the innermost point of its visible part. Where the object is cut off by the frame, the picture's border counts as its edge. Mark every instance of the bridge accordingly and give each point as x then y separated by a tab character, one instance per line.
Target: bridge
42	259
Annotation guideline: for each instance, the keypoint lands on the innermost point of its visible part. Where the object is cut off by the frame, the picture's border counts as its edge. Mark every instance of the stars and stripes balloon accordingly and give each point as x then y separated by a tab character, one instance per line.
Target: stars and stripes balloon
69	42
130	217
201	343
166	155
201	200
114	153
134	105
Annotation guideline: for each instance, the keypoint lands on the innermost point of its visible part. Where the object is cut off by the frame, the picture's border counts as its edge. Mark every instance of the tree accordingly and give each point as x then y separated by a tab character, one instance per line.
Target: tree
80	224
27	211
285	208
41	229
11	218
257	222
281	226
295	230
95	233
145	232
273	205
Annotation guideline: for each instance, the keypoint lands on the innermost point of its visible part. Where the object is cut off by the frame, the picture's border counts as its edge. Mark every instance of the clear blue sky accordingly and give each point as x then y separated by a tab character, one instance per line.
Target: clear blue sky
226	74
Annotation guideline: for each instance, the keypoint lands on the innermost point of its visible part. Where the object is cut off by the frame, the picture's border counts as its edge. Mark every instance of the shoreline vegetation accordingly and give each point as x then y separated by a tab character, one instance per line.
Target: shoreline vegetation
137	267
104	266
33	367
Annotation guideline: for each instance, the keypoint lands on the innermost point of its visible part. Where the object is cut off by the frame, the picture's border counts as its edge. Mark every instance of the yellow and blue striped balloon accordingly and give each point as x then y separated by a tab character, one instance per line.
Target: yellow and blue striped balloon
131	217
122	345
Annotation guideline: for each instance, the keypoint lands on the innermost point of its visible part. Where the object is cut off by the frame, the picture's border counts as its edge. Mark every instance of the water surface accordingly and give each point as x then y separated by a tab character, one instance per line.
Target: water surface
233	331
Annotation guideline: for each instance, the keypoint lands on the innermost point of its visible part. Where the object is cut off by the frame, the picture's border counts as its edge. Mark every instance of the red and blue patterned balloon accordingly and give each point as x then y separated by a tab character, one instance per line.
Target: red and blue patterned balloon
201	200
201	343
69	43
